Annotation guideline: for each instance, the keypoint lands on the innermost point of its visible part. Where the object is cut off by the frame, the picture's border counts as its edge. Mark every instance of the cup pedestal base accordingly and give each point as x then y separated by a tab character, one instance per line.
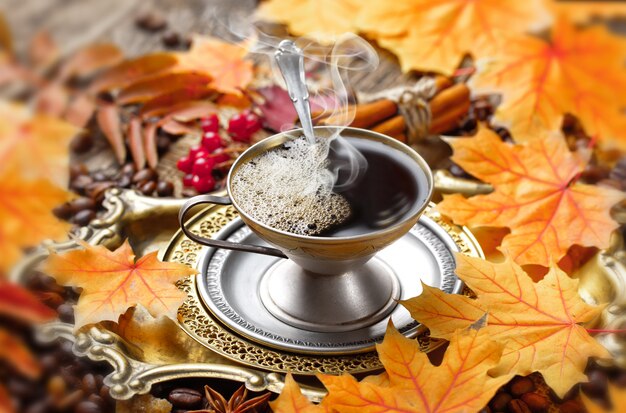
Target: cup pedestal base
330	303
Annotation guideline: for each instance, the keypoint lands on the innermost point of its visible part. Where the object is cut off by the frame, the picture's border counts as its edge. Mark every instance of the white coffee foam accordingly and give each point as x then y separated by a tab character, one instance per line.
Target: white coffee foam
291	189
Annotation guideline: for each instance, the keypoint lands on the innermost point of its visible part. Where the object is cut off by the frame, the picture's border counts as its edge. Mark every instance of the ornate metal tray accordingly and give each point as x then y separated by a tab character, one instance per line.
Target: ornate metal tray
149	225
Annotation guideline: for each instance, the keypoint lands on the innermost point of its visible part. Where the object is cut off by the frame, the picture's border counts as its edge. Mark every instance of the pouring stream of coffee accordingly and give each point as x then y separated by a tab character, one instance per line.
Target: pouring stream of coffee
291	63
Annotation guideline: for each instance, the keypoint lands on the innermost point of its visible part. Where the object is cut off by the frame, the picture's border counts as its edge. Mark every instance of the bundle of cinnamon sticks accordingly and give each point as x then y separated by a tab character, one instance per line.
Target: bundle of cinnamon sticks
448	107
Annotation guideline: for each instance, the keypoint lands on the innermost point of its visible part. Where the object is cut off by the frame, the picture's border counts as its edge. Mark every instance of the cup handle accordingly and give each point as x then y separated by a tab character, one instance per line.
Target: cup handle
217	243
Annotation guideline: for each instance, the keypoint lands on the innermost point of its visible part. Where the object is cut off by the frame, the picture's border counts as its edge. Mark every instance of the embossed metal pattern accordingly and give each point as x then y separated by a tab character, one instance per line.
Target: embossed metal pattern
200	324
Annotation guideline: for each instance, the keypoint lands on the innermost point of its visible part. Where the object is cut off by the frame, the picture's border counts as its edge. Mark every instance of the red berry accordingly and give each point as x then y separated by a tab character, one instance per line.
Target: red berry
210	124
188	180
211	141
203	184
193	151
237	128
253	123
220	157
202	167
185	164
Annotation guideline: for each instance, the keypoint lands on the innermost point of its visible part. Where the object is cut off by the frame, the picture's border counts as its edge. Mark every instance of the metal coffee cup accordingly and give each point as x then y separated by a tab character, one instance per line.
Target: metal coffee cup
327	283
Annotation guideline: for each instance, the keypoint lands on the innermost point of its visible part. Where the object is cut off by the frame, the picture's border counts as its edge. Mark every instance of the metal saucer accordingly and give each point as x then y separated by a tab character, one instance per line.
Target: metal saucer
232	285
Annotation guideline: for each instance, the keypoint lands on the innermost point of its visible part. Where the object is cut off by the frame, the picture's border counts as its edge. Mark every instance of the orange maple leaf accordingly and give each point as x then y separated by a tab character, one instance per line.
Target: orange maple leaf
535	195
578	71
461	383
617	397
583	11
37	145
222	61
540	324
322	20
113	281
291	400
25	214
434	35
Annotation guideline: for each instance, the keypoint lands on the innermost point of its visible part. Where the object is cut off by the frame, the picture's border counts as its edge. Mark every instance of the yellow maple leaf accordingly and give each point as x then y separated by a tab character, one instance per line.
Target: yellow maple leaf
540	324
582	11
37	145
291	400
461	383
322	20
578	71
222	61
113	281
25	215
434	35
535	195
618	401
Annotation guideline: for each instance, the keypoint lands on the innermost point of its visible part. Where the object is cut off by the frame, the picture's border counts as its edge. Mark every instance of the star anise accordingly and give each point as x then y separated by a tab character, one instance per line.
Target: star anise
238	402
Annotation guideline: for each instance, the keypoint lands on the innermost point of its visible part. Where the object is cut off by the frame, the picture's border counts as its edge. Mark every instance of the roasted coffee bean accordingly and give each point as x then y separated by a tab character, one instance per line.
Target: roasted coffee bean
82	203
71	399
499	402
49	362
41	406
97	189
518	406
88	407
94	398
165	188
572	406
185	398
469	125
521	385
570	124
77	169
595	173
80	183
124	182
99	176
482	109
151	21
187	41
148	188
81	143
503	133
105	392
89	384
56	387
146	174
597	385
52	299
536	402
63	211
50	284
84	217
129	169
18	387
171	39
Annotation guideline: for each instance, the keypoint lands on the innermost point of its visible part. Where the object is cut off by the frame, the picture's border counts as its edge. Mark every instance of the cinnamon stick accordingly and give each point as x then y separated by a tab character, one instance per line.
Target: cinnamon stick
449	119
449	98
365	116
392	126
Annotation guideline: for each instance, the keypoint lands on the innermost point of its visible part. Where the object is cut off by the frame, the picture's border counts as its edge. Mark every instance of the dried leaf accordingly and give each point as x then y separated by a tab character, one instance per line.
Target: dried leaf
291	400
80	110
108	117
164	103
224	62
25	215
37	145
113	281
618	401
536	195
151	88
135	142
19	303
6	40
434	35
322	20
540	324
52	100
194	106
18	355
89	60
577	71
6	404
150	145
175	128
43	51
461	383
134	70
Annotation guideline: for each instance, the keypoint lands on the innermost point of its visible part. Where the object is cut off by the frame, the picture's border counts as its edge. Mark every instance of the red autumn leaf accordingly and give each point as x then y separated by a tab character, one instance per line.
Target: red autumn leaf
114	281
134	70
160	85
536	195
6	404
15	352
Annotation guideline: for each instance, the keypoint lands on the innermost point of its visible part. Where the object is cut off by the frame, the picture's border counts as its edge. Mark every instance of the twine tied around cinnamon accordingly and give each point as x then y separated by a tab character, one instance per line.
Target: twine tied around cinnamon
412	102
